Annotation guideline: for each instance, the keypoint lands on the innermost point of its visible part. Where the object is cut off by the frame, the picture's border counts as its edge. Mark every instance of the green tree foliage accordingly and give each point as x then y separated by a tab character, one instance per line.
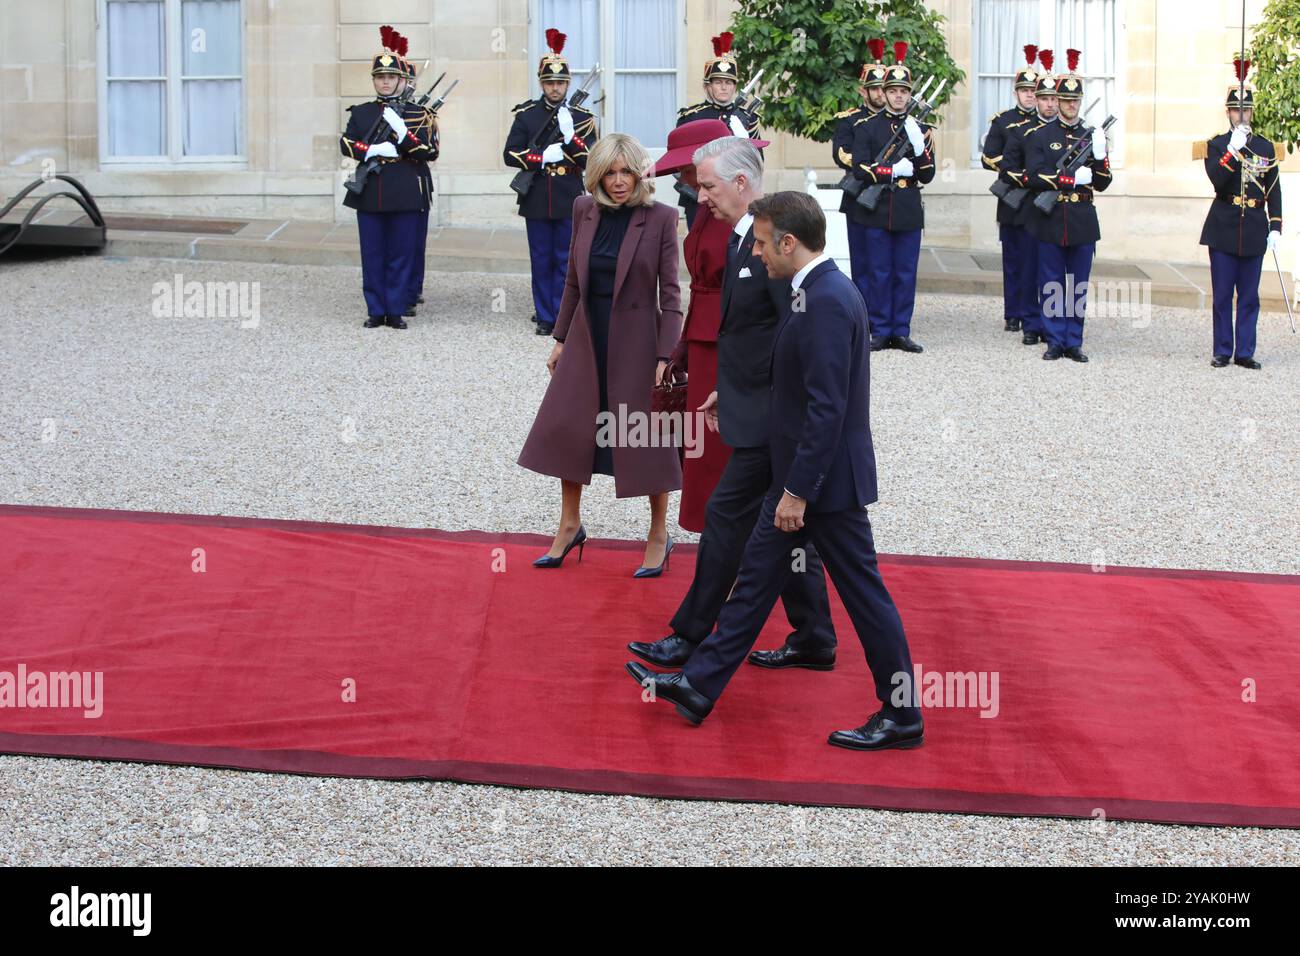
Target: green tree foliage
1275	51
812	52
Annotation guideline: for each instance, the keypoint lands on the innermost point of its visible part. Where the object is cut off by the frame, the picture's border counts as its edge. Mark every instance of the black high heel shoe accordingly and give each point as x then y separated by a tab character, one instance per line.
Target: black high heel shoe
655	572
579	541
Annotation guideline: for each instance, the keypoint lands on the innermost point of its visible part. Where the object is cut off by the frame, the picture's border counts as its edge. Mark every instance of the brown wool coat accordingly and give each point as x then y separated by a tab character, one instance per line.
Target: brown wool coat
646	323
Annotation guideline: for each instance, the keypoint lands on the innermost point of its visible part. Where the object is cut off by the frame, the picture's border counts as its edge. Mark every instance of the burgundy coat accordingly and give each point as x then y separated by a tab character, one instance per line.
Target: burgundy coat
645	323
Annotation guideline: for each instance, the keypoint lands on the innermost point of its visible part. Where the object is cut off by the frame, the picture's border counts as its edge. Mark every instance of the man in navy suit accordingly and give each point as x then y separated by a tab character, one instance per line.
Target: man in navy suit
824	476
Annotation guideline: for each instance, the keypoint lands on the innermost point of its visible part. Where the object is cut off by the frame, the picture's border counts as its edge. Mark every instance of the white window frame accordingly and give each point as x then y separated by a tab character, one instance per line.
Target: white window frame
1047	30
174	89
607	113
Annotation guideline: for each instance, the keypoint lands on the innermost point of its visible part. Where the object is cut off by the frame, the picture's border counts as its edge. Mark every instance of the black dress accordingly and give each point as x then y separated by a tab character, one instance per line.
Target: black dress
601	271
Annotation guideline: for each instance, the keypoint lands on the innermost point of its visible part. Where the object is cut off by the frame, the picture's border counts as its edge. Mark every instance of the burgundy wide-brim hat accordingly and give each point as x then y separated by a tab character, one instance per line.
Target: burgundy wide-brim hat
684	140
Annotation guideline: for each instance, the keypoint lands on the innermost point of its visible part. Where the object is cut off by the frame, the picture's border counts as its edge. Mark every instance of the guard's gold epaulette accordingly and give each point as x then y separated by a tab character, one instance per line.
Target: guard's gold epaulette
848	112
994	118
687	110
581	110
523	106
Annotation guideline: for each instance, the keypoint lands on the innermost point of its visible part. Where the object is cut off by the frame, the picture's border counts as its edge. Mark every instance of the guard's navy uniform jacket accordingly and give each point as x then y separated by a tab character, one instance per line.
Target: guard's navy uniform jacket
711	110
395	185
558	184
842	143
1236	231
900	209
1006	128
1011	170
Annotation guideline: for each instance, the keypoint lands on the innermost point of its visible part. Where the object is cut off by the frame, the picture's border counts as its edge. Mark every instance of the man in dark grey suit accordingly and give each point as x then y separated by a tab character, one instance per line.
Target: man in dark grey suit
823	478
730	174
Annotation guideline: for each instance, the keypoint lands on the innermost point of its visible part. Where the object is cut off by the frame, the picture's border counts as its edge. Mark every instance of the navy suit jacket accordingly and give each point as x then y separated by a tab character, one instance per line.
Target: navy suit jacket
821	381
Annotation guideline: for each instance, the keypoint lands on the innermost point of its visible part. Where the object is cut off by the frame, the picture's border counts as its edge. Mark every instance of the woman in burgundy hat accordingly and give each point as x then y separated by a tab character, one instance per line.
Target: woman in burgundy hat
705	251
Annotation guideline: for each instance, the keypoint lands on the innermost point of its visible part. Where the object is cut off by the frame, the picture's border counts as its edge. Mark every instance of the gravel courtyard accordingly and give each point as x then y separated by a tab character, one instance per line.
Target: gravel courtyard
1145	456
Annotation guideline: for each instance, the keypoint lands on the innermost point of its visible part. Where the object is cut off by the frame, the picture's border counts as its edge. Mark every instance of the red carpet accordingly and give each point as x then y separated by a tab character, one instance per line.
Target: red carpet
1119	692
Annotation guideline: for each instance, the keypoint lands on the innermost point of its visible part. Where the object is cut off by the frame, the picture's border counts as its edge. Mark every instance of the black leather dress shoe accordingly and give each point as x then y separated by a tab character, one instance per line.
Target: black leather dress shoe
396	322
880	733
787	656
373	322
1011	325
543	329
419	300
879	343
904	344
1247	363
410	313
1030	338
1053	353
1076	353
671	651
1219	361
690	703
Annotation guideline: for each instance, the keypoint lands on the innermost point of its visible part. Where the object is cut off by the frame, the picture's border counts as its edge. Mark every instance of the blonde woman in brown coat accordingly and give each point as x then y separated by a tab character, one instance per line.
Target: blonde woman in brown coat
619	321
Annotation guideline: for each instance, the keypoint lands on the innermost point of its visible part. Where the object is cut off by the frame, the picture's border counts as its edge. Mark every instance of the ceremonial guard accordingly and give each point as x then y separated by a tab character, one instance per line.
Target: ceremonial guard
1019	281
430	125
721	79
557	150
1067	237
1244	223
390	142
894	226
1012	168
872	92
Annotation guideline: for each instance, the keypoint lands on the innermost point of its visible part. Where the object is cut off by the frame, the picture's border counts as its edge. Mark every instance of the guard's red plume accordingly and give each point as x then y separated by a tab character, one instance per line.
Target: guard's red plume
1047	58
1072	59
1241	67
724	40
900	51
877	48
400	44
386	37
1031	53
551	34
558	45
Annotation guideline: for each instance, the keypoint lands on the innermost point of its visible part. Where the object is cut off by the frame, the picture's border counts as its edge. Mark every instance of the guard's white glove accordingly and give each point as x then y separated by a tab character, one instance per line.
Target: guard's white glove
1083	176
382	149
553	154
395	121
903	169
1238	141
1098	145
565	121
1273	238
914	135
737	127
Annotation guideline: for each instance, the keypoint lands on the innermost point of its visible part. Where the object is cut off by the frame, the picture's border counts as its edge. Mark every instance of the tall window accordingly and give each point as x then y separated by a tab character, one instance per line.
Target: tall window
171	80
638	44
1002	28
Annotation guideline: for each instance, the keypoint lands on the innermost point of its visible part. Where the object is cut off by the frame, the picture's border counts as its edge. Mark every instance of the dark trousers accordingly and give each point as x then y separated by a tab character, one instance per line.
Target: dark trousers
548	248
728	520
1239	274
844	540
892	262
1063	273
417	274
858	258
1020	277
690	207
388	244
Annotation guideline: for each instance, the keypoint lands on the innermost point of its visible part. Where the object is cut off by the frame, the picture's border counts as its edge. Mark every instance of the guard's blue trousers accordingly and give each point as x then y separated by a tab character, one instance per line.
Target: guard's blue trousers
389	241
548	248
858	257
1239	274
1063	273
891	267
1020	277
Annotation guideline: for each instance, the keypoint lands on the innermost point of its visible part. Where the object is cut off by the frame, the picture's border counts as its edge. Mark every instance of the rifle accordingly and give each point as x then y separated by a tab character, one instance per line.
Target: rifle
851	184
437	104
919	107
1069	163
684	190
523	180
746	99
